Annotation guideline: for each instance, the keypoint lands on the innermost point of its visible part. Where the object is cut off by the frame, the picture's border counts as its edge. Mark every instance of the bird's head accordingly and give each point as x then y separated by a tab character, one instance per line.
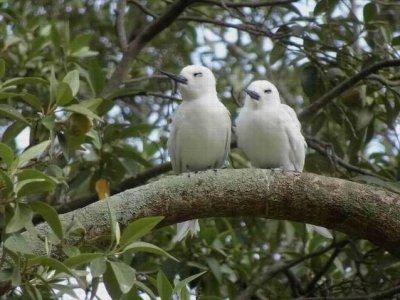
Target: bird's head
262	92
194	81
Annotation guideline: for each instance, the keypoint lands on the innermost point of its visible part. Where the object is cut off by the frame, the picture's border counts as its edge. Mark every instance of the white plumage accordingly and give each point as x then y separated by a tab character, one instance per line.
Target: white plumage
200	130
268	131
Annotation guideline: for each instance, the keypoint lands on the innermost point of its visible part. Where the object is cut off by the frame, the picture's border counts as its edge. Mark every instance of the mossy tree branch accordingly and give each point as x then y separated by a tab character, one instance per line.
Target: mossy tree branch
365	211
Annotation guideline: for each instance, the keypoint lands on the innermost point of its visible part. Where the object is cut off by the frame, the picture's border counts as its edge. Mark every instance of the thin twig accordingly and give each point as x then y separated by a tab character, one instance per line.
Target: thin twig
322	148
311	285
144	9
146	35
345	85
294	283
144	78
248	4
121	5
270	272
395	291
254	30
129	183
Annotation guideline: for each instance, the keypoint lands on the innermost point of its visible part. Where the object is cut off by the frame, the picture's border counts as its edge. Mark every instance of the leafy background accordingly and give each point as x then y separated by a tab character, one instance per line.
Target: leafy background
68	137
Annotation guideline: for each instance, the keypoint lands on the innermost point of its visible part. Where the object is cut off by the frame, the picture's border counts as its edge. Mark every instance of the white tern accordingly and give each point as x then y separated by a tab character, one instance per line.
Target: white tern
200	130
268	131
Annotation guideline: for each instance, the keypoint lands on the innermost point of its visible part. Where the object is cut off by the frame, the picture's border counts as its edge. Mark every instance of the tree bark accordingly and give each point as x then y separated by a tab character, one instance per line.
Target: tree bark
357	209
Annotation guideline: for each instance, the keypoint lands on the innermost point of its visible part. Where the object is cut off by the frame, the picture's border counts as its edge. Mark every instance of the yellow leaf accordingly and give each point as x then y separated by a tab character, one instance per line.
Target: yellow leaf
102	188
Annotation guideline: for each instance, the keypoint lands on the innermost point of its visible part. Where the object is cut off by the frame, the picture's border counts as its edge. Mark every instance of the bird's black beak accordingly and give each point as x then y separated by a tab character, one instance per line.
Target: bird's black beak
252	94
177	78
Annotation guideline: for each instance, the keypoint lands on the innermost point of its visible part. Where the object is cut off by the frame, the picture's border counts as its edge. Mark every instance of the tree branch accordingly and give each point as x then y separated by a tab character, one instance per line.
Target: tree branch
374	296
143	8
129	183
323	148
248	4
311	285
350	207
271	272
121	5
251	29
140	41
345	85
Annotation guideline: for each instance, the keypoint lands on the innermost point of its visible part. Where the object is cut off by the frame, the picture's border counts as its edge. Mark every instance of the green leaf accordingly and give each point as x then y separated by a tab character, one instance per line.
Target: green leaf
364	118
55	36
72	79
215	267
56	265
50	215
117	233
92	104
16	276
5	275
28	182
53	86
81	109
138	229
32	100
113	224
80	41
396	41
312	81
34	174
133	294
164	287
183	283
10	112
147	247
111	283
277	52
49	122
81	259
98	266
124	274
370	12
12	131
141	286
71	251
17	243
94	287
96	77
84	52
6	95
32	153
64	94
6	185
22	215
24	80
6	155
129	152
2	67
324	6
320	230
32	186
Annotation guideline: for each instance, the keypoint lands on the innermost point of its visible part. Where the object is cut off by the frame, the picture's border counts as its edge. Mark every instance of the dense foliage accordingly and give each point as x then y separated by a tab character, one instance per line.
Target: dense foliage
73	130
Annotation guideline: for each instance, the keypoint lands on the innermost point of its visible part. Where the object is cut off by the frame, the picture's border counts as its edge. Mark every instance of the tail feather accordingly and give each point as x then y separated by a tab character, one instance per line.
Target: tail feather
184	228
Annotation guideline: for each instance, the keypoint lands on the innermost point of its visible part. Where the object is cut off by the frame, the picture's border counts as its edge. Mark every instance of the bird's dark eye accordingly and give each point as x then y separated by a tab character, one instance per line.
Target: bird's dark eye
268	91
198	74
